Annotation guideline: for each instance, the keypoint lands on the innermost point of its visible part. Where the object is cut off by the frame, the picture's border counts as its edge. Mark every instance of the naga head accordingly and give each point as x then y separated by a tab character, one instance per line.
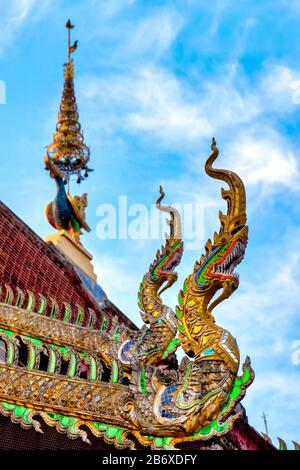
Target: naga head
216	269
54	170
168	258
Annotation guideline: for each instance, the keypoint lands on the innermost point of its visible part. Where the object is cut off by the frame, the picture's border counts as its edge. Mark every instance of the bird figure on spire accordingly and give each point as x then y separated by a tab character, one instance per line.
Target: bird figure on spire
73	48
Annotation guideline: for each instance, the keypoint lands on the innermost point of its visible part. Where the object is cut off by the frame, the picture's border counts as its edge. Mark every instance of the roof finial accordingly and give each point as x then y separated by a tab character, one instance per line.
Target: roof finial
72	48
68	150
67	157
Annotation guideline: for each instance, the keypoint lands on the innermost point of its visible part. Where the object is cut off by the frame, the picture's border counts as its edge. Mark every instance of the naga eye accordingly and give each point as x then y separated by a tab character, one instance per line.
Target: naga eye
191	353
235	230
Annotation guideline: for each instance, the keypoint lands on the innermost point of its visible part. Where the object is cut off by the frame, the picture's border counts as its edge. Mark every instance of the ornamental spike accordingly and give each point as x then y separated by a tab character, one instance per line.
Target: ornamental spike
296	445
282	444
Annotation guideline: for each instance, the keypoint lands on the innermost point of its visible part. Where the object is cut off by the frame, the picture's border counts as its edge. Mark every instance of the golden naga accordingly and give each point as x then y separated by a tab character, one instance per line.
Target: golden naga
199	336
197	395
150	344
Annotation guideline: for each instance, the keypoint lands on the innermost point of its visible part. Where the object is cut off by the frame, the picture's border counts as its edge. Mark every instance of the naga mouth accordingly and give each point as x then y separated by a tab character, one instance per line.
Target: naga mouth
232	257
174	261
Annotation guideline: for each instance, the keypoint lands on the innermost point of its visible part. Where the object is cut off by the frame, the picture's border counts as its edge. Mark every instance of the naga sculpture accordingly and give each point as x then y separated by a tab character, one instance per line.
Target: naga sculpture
65	212
134	385
150	344
172	400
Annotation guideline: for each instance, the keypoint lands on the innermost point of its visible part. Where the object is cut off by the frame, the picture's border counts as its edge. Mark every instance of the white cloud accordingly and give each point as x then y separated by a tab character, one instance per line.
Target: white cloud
162	109
151	101
290	6
279	88
14	14
228	100
111	8
133	35
153	35
261	156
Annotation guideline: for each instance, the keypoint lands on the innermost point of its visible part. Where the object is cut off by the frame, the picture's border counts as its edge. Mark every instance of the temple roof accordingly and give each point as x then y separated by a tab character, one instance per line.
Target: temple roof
241	437
30	265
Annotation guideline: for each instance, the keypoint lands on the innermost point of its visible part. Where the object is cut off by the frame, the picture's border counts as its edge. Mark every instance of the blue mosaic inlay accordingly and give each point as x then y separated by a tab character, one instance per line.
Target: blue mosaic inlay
125	349
166	400
207	352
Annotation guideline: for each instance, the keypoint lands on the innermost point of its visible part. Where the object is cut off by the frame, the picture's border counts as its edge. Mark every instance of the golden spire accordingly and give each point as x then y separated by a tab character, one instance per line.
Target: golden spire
68	150
68	156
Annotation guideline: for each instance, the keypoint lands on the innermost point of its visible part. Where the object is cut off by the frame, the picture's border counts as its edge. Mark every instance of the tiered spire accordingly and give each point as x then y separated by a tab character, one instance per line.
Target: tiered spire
68	156
68	150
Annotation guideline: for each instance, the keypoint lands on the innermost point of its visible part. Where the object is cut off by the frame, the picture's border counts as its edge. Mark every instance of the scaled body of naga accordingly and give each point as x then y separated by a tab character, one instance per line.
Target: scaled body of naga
179	401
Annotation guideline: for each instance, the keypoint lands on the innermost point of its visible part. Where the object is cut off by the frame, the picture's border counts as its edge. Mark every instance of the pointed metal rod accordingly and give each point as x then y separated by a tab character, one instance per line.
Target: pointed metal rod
69	26
69	43
264	417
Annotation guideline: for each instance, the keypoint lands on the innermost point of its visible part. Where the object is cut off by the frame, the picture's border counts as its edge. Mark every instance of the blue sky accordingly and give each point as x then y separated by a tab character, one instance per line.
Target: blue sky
155	80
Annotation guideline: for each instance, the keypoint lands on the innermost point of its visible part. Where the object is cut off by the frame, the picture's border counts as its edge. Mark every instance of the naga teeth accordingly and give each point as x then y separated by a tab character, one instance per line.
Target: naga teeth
231	261
220	269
